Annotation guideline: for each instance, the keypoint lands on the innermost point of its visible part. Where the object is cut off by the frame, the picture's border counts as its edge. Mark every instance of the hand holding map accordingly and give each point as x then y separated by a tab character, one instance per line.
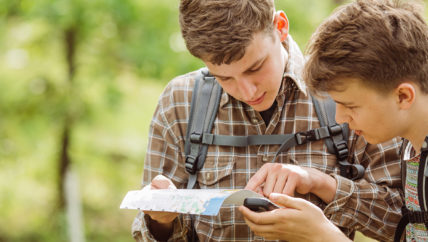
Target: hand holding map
191	201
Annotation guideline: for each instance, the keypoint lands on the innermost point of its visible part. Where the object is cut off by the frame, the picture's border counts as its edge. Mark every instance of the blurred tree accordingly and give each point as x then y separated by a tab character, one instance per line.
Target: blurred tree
339	1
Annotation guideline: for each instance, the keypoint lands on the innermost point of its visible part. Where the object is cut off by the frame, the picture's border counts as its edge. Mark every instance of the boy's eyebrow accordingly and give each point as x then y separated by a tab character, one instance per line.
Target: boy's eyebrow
221	77
256	63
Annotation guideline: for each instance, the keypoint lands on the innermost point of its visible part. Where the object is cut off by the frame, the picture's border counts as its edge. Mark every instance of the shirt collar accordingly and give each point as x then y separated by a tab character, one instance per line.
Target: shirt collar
295	65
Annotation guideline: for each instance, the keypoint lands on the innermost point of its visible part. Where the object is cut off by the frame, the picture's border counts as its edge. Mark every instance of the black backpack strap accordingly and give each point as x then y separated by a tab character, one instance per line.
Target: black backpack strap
422	176
415	216
204	106
409	217
423	179
404	143
338	143
404	218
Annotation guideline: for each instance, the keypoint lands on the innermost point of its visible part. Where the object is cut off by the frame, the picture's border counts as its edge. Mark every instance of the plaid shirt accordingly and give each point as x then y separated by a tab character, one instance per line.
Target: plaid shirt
371	205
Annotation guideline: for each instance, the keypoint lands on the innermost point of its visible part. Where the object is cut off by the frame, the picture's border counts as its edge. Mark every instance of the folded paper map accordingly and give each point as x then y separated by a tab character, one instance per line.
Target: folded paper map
191	201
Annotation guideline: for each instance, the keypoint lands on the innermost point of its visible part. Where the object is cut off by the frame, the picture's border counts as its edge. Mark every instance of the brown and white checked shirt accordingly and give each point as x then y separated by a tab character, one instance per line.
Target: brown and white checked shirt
370	205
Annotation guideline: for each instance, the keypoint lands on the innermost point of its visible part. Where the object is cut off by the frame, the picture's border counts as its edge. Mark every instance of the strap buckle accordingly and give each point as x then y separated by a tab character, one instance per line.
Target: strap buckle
304	137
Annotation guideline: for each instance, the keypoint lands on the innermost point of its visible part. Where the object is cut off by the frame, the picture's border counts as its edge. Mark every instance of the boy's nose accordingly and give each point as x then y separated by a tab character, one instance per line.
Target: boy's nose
341	116
248	89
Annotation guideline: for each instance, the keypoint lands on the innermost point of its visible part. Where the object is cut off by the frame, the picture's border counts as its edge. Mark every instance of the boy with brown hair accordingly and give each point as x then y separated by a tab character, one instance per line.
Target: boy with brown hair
371	57
246	46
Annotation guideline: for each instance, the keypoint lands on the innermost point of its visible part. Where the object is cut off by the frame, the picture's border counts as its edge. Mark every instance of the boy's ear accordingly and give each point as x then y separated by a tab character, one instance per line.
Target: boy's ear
406	95
281	24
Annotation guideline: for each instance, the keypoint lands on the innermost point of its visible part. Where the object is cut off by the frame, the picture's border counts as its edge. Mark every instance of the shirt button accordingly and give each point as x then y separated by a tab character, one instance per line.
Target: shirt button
254	120
265	158
208	176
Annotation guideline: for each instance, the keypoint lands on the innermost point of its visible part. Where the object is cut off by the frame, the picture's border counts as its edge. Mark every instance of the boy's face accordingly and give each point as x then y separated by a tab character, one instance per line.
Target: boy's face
371	114
256	78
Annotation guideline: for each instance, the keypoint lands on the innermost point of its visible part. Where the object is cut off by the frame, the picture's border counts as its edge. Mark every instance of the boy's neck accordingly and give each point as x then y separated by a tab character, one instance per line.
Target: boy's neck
418	124
418	140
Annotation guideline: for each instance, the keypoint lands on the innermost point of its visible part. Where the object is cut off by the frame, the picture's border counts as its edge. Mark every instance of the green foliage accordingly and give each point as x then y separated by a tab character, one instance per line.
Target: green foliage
304	16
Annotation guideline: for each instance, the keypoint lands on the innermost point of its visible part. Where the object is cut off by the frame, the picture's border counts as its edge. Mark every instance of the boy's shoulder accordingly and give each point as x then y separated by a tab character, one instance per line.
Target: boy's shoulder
177	94
182	83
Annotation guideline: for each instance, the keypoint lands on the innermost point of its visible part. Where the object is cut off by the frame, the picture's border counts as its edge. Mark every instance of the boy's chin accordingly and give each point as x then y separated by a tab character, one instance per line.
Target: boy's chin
262	107
373	140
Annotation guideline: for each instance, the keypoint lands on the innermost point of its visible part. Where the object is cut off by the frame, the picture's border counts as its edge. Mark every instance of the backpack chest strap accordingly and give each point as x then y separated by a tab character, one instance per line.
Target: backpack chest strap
243	141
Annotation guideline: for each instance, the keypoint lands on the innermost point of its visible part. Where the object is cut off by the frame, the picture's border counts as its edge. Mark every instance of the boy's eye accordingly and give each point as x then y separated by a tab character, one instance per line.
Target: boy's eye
256	69
222	79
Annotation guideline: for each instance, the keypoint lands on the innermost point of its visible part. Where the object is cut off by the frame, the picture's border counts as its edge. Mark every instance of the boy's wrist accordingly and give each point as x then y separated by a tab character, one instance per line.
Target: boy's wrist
325	187
332	233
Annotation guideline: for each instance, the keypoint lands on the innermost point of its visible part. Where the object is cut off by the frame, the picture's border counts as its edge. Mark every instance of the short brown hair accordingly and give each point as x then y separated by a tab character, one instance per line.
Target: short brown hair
381	42
219	31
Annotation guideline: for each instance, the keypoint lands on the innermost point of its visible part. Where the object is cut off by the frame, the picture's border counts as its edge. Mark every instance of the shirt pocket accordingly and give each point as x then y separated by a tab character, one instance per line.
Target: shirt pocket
216	172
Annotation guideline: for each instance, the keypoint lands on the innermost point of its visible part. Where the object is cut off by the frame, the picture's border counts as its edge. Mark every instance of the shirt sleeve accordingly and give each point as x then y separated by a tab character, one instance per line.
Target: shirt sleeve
165	155
372	204
140	231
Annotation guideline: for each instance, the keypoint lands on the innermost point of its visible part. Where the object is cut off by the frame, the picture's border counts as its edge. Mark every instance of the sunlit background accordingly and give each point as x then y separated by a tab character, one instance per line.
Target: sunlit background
79	81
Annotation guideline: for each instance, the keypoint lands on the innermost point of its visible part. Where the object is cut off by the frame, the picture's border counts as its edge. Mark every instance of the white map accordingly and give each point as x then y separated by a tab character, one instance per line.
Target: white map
191	201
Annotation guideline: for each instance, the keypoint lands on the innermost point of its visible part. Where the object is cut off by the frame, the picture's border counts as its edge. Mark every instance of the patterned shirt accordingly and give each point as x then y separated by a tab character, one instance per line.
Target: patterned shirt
371	205
417	231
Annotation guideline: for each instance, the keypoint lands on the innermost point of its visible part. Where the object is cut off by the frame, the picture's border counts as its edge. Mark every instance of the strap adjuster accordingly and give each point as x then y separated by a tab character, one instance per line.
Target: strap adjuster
335	129
341	148
191	163
196	138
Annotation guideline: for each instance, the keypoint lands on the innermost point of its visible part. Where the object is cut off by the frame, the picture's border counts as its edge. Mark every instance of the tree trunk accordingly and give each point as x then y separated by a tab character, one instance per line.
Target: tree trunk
65	140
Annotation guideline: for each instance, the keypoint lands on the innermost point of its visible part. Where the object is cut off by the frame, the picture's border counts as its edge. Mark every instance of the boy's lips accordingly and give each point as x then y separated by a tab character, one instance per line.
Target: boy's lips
257	101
